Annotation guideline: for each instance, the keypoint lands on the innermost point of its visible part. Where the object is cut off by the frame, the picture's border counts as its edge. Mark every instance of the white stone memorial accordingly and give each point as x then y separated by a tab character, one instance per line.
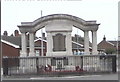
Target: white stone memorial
58	28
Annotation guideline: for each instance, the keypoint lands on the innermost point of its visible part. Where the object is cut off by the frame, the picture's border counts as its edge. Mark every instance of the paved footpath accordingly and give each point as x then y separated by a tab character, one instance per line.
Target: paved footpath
85	77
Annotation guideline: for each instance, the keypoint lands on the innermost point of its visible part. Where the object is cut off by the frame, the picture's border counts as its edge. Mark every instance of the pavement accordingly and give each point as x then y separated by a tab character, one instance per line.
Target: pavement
113	76
87	77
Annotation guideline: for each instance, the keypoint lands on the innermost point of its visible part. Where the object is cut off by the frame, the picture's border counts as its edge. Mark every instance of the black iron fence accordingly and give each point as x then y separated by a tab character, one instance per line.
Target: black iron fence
62	65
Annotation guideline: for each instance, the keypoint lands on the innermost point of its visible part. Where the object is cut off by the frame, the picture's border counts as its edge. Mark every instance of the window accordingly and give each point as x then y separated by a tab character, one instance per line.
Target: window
37	52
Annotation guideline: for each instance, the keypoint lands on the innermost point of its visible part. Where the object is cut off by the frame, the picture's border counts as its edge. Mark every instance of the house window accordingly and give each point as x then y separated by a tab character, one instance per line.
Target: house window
59	42
37	52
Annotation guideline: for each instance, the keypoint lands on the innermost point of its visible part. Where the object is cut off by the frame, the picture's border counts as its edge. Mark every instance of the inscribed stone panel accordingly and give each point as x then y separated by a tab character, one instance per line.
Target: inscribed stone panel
59	42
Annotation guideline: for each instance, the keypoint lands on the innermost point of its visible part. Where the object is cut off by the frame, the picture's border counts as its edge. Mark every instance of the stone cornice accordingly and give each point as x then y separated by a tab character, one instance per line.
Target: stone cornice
57	16
45	19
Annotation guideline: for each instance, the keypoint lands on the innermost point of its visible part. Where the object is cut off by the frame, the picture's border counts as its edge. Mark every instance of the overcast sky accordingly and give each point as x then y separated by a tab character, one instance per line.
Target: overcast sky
105	12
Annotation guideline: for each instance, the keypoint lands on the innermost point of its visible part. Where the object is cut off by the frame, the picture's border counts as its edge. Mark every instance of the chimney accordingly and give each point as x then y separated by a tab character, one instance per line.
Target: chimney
5	33
16	33
76	37
43	35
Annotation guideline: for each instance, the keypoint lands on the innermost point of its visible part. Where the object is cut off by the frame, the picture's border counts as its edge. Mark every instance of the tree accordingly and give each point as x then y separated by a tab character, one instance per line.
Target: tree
110	51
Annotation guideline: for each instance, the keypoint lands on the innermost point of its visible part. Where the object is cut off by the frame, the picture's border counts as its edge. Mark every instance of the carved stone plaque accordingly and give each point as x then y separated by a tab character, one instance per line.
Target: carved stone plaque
59	42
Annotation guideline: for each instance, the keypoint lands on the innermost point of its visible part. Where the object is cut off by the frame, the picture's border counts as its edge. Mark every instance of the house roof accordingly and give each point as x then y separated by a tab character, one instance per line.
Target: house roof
80	40
13	40
108	44
16	41
115	43
77	43
40	39
16	46
111	43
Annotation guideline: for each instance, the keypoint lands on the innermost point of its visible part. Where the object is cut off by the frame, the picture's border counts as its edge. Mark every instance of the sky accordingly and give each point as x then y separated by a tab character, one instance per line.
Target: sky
105	12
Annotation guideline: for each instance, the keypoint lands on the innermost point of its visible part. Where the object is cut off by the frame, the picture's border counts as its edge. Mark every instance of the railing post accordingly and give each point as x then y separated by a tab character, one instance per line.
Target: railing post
114	64
5	66
37	65
82	62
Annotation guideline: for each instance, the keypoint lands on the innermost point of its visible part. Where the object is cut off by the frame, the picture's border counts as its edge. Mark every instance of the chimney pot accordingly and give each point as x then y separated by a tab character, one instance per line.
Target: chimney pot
16	33
5	33
104	38
43	35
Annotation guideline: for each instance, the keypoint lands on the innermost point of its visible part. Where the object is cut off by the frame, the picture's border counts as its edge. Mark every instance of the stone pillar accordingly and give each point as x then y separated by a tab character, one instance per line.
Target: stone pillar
49	44
31	44
94	43
24	48
86	42
68	43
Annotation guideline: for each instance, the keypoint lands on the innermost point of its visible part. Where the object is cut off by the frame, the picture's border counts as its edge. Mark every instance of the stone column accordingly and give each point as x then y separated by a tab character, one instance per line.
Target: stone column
86	42
24	48
31	44
49	44
68	43
94	43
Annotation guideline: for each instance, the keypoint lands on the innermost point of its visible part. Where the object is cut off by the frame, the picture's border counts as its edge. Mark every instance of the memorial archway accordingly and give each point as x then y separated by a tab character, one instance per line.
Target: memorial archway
58	28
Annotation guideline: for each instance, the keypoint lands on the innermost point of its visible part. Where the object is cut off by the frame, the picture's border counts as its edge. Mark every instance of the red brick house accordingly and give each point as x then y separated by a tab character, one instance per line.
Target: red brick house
9	49
109	47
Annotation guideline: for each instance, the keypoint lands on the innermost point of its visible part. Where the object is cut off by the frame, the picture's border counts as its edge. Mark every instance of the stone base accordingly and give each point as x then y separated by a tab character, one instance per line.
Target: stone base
61	53
27	65
26	70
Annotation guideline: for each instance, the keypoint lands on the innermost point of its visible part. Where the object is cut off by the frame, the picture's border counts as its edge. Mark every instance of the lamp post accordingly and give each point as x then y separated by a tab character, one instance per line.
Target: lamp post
77	42
118	45
41	38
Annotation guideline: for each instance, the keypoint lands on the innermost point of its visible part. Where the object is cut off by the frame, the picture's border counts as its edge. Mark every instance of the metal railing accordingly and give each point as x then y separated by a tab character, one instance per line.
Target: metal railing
62	65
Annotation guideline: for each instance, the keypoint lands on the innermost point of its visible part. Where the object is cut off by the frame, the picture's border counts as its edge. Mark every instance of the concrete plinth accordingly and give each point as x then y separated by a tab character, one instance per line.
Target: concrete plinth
27	65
